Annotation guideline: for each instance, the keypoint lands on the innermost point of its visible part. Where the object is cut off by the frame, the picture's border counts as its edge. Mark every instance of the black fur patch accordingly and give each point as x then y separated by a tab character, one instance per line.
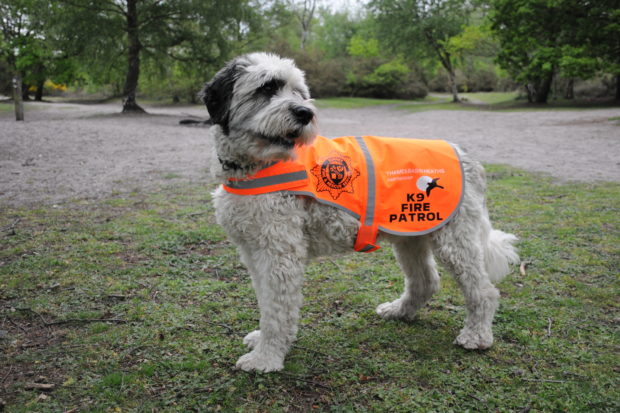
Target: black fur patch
218	93
270	88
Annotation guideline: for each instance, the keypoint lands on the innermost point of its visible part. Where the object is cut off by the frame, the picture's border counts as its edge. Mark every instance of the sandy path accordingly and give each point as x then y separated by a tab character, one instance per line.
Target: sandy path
65	151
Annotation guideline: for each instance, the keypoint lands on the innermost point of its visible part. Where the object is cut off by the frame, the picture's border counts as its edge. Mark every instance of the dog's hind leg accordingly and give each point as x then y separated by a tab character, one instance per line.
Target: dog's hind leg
464	258
421	279
277	278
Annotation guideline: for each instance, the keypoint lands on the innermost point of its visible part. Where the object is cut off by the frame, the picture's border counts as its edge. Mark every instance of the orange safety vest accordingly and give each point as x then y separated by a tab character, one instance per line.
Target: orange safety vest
399	186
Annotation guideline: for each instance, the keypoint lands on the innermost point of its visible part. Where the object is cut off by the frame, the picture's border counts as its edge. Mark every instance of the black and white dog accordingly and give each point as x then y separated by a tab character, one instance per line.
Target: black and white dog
261	109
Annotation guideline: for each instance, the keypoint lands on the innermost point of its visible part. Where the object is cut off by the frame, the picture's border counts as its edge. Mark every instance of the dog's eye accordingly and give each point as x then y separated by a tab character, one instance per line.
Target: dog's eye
271	88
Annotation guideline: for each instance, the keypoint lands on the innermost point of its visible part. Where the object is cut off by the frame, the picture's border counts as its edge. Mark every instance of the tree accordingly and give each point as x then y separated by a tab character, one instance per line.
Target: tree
423	26
304	10
541	38
18	29
193	31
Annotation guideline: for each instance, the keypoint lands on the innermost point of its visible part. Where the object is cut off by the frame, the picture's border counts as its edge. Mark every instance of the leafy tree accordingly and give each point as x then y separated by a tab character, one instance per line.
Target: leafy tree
304	10
21	31
541	38
193	32
334	31
424	27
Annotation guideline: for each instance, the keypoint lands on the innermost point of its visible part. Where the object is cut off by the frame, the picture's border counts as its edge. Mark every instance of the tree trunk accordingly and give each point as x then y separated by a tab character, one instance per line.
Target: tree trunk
17	96
38	95
544	86
25	93
618	87
453	87
133	60
538	91
570	89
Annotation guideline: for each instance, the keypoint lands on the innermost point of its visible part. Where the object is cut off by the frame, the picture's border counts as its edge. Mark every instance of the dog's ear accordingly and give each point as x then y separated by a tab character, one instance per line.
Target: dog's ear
217	94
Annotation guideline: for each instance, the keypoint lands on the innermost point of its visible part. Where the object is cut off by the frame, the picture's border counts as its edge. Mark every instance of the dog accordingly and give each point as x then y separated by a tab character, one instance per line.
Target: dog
261	112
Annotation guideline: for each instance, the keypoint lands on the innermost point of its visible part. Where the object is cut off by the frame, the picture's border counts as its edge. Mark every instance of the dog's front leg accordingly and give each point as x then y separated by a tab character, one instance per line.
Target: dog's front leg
277	278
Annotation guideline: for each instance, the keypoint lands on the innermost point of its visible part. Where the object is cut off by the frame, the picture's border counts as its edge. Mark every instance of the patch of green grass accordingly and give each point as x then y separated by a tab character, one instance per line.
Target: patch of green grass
490	97
355	103
179	303
496	101
6	107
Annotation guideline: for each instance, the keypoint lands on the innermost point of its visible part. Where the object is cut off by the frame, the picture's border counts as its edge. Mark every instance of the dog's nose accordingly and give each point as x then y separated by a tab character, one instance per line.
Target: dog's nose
303	114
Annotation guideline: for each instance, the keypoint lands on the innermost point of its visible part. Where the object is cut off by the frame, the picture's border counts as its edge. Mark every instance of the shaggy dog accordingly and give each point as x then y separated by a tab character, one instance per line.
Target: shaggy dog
261	109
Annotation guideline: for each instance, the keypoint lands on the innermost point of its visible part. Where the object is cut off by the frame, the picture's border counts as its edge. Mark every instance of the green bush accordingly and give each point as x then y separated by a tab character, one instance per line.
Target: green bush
325	77
392	79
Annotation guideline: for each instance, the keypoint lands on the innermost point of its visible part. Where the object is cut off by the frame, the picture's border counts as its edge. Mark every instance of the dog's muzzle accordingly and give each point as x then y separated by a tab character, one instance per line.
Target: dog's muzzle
303	114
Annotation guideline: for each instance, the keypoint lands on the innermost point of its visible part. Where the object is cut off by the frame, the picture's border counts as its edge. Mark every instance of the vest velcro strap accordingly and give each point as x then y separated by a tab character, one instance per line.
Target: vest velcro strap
366	239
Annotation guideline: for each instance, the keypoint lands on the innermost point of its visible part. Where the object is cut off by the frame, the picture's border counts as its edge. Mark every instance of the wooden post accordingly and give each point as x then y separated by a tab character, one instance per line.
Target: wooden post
17	96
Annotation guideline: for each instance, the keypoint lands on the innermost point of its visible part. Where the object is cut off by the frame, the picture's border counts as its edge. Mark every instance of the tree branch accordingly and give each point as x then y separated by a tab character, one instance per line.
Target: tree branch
116	8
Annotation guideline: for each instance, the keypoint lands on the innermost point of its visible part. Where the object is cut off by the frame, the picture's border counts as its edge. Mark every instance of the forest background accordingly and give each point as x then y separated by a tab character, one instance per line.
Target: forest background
167	49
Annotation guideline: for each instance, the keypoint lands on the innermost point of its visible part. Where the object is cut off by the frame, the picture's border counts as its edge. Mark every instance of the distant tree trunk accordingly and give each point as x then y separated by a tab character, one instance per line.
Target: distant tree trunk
305	17
538	91
446	61
38	95
545	87
570	89
25	92
17	96
454	87
133	60
618	87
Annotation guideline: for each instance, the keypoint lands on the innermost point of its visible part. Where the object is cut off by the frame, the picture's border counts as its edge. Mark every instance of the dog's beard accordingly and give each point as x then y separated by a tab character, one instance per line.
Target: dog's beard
274	147
277	132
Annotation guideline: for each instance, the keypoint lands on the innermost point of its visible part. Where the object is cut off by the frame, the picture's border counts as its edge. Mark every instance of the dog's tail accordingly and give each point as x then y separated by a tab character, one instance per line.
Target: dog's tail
499	253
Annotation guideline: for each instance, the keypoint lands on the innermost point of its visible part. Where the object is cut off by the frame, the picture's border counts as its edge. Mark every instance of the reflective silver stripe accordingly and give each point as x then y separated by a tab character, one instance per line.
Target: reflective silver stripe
372	183
268	180
322	201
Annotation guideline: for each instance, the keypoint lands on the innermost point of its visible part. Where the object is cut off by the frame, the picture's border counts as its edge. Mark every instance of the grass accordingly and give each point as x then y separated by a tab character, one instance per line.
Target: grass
158	267
355	103
6	107
491	97
496	101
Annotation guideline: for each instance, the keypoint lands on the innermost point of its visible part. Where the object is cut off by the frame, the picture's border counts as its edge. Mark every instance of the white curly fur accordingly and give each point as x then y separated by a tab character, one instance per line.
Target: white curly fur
276	234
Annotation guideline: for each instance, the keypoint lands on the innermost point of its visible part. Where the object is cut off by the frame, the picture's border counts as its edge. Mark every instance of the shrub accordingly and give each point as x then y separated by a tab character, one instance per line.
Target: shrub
391	79
325	77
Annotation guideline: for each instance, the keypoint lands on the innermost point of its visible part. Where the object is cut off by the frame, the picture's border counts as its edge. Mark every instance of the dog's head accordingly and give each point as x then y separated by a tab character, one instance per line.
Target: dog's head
261	100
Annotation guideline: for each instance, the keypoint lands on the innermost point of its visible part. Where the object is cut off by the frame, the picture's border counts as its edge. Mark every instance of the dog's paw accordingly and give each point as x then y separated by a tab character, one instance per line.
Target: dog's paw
474	340
395	310
251	340
259	362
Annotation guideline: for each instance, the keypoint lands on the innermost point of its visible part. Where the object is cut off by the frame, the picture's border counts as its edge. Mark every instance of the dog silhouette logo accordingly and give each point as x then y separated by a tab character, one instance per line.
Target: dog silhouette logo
335	174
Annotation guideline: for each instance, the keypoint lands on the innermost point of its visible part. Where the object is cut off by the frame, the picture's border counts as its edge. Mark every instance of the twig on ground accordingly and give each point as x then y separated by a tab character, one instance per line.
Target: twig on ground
545	380
40	386
30	310
473	396
11	227
74	320
335	264
17	325
88	320
549	327
7	375
231	330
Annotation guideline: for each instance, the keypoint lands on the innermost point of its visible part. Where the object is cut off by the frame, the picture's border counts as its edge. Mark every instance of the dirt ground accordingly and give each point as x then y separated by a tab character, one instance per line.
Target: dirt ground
68	151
